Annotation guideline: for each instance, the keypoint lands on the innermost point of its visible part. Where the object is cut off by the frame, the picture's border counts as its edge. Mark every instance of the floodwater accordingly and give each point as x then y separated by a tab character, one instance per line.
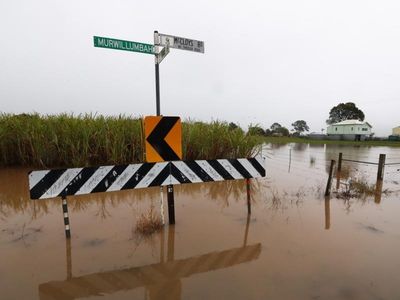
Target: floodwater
296	244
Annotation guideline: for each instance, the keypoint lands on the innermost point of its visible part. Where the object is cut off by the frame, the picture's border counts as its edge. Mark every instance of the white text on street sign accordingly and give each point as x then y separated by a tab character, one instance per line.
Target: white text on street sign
104	42
181	43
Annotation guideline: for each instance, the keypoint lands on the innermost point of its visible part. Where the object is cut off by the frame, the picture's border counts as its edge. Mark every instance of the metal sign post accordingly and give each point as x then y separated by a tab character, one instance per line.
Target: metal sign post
168	41
157	71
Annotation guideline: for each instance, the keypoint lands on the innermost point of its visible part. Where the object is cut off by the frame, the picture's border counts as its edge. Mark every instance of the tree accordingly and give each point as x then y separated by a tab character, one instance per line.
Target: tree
278	129
255	130
282	131
345	111
275	126
300	126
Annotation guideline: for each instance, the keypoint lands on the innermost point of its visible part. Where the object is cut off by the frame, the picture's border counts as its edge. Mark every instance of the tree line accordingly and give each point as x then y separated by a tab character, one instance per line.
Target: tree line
277	129
338	113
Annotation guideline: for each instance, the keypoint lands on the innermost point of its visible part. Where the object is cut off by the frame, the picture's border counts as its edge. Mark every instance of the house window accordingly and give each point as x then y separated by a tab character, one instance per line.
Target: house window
364	129
352	128
335	128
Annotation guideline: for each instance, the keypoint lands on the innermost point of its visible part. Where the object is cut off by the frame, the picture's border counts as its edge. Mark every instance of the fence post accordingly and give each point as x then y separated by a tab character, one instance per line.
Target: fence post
339	170
379	178
339	167
378	191
381	166
329	183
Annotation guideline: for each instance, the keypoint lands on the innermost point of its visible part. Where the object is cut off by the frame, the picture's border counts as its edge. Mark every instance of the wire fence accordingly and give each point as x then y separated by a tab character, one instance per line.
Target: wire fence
308	163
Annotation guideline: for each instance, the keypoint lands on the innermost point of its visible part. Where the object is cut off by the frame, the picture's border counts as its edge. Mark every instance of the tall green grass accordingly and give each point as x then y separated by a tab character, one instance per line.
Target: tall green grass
88	140
67	140
217	140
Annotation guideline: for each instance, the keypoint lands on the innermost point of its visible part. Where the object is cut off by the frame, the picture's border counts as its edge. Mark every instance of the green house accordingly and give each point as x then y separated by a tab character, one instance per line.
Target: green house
353	130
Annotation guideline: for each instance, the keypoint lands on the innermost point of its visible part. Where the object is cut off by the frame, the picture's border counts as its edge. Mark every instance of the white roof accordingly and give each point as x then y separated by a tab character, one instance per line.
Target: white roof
352	122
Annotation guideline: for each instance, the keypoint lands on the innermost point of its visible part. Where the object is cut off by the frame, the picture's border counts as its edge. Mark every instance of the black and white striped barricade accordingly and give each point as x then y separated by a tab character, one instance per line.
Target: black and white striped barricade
53	183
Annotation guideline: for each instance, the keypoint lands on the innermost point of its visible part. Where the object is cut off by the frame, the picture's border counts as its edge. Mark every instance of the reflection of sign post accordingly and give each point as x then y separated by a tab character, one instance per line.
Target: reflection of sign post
162	280
158	276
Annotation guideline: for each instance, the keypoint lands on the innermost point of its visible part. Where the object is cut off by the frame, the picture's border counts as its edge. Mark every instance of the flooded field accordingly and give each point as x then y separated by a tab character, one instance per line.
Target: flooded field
296	244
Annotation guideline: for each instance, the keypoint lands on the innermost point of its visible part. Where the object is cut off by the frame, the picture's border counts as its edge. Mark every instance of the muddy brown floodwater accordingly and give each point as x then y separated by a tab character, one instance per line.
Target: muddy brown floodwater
295	245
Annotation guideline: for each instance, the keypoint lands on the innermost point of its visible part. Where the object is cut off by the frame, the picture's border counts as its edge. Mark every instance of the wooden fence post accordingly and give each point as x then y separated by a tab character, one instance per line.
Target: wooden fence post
378	191
339	171
339	167
381	166
379	178
329	183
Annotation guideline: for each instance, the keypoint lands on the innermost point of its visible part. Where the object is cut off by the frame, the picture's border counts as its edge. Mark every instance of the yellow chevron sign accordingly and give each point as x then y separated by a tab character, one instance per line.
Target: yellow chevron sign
163	138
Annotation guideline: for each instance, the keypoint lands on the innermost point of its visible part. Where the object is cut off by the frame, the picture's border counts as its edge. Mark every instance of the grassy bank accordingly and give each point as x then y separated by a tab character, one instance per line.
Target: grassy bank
286	140
88	140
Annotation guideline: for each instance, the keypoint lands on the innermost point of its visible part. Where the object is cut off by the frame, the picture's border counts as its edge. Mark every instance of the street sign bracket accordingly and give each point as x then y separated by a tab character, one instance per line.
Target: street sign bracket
162	54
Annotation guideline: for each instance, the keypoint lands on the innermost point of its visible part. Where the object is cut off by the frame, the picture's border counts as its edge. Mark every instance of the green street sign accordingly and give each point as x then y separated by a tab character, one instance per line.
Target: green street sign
104	42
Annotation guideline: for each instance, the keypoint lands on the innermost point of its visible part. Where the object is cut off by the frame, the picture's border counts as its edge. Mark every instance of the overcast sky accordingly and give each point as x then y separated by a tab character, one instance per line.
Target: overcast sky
264	61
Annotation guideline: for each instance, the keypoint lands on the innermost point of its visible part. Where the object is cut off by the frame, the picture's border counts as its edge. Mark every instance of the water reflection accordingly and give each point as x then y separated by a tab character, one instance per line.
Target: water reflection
161	280
299	146
327	213
321	146
222	191
277	146
355	152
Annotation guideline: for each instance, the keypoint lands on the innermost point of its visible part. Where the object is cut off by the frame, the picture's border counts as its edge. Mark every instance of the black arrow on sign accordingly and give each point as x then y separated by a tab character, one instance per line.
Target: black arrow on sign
157	138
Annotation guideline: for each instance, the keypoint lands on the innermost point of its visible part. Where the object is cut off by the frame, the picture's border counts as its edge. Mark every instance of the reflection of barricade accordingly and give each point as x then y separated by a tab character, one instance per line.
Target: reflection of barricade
161	280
